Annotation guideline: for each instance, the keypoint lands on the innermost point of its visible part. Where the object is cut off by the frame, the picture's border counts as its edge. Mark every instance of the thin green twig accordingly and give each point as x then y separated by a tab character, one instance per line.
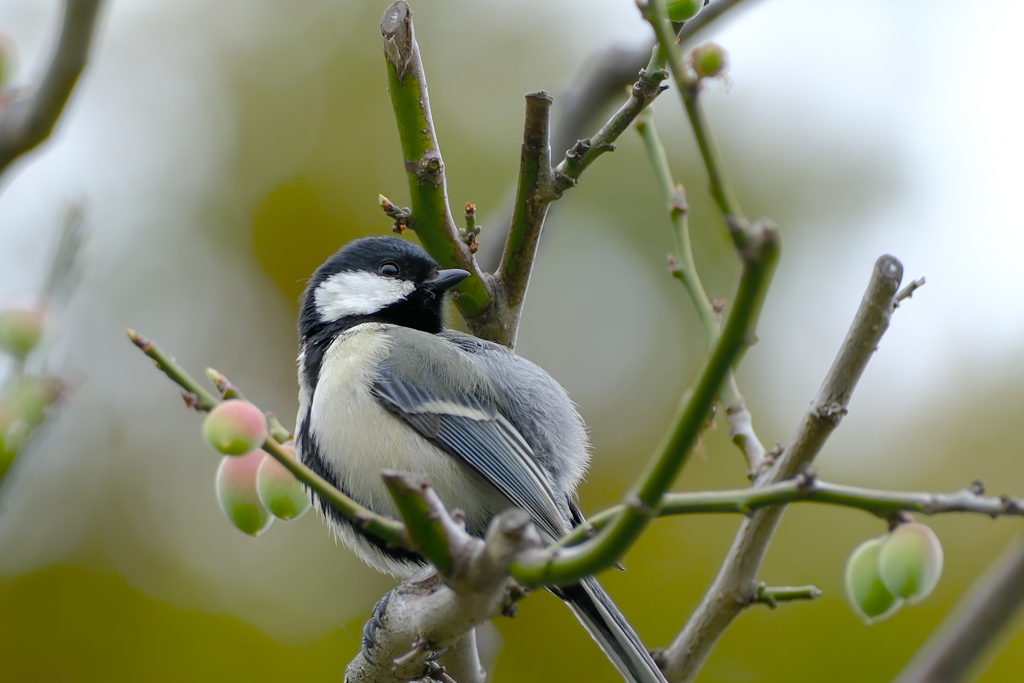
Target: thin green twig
426	519
684	268
647	87
386	529
773	595
808	489
431	216
736	579
204	400
689	90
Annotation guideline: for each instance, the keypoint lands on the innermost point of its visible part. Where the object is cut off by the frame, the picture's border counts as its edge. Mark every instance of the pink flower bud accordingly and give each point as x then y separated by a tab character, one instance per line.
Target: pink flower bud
236	493
279	490
235	427
21	330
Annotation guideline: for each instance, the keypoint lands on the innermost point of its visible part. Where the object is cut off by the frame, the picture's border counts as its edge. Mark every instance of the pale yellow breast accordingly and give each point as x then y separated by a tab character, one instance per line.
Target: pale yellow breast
359	438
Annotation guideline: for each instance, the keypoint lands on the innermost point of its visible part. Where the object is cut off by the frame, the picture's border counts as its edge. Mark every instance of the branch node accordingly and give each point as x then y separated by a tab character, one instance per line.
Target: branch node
428	169
806	479
635	502
679	206
673	266
470	232
399	214
831	413
397	32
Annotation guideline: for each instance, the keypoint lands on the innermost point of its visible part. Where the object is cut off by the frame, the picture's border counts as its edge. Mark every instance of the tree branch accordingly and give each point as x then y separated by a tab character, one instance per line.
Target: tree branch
559	566
689	91
32	115
773	595
435	615
806	488
531	207
599	82
431	217
737	579
955	647
647	87
198	398
683	267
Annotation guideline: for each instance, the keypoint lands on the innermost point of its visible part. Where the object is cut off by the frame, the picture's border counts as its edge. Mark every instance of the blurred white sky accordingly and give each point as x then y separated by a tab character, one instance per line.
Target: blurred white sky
937	83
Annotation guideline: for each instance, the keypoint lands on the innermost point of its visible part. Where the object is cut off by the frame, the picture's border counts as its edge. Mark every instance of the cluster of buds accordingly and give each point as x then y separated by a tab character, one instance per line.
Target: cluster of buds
901	567
252	486
27	399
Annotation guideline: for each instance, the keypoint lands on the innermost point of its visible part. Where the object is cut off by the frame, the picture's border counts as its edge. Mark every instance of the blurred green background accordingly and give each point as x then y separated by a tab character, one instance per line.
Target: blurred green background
225	149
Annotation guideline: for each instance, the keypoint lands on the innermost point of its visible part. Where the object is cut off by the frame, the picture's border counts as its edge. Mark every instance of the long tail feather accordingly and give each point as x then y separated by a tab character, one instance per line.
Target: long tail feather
606	624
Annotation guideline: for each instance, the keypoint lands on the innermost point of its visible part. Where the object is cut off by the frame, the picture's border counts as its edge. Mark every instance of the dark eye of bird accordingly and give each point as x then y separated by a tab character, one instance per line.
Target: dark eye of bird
388	269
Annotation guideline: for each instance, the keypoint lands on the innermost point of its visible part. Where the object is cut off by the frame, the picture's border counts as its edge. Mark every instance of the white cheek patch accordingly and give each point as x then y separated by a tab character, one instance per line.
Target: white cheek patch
358	293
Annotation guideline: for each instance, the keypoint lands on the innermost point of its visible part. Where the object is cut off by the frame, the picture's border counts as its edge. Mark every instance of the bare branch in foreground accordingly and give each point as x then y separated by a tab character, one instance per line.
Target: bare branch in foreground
736	582
955	647
33	113
425	616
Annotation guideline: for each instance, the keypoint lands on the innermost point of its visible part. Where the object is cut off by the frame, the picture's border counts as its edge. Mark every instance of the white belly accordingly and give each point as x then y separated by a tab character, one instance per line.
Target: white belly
358	439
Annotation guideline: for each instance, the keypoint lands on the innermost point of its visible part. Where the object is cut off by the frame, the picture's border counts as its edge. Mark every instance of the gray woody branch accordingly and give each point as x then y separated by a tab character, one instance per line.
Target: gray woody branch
31	116
425	626
587	95
491	304
735	587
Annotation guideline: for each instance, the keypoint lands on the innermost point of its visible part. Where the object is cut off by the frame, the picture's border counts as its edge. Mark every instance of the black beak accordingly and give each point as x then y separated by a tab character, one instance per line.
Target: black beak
446	279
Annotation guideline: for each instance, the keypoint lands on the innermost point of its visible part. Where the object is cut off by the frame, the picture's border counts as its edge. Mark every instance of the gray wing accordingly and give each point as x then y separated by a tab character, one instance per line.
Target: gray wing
475	433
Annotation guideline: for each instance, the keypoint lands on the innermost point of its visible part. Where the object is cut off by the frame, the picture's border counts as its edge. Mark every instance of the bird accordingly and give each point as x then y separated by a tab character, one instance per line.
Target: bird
384	385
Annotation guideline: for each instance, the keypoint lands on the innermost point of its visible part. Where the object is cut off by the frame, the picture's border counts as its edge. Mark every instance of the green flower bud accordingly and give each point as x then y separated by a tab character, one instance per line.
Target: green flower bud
682	10
869	597
32	396
910	563
21	330
236	493
279	490
708	60
235	427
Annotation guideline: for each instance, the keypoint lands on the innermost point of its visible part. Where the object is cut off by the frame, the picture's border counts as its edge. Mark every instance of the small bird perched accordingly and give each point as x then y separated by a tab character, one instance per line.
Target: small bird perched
382	385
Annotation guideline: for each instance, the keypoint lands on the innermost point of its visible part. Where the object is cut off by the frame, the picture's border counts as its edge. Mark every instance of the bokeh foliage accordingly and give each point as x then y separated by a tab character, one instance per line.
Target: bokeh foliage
308	144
